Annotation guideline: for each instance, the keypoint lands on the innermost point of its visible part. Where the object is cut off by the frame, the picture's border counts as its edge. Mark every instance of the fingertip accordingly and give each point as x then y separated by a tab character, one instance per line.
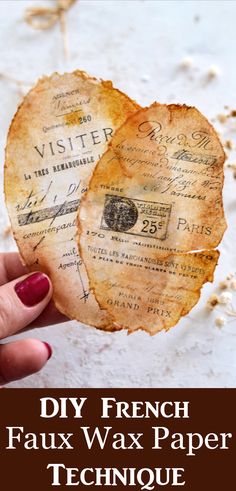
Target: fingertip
22	358
49	349
22	301
36	353
34	289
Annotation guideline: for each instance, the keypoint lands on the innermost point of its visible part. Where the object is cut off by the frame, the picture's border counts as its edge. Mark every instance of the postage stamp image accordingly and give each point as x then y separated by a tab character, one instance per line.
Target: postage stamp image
136	217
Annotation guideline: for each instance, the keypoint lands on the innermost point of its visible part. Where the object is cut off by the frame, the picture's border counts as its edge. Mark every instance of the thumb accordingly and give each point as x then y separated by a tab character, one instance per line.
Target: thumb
21	302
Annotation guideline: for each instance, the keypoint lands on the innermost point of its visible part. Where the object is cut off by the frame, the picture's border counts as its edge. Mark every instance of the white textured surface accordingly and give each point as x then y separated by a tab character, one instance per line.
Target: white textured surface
140	46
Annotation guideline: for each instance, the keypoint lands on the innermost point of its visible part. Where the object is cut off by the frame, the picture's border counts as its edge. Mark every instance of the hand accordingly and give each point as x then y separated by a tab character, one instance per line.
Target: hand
25	301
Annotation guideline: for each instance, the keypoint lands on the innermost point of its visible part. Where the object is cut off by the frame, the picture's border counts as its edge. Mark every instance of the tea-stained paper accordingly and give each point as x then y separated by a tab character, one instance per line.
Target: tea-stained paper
152	217
56	137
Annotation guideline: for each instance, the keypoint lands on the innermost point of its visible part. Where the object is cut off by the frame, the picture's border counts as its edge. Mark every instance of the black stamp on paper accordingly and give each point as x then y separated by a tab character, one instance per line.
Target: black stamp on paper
135	217
120	214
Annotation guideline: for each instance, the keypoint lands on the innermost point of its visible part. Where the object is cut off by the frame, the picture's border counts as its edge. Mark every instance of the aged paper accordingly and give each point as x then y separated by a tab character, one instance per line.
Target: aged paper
152	216
56	137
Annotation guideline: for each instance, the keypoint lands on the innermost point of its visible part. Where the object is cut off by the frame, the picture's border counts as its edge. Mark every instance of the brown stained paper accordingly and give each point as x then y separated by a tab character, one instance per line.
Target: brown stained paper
152	216
56	137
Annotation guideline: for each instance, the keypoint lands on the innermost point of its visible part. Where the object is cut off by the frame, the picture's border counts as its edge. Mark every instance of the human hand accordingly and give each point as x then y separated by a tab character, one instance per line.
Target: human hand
25	301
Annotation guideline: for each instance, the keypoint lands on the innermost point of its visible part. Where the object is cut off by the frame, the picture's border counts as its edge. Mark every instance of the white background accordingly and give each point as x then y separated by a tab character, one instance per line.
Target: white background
140	46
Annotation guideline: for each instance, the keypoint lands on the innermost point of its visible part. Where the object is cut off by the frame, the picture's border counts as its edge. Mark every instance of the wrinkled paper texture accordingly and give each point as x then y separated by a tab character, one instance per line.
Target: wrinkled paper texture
152	216
56	137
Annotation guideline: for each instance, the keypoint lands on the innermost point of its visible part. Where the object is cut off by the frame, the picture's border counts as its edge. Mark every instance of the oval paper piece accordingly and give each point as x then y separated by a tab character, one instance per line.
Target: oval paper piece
152	216
56	137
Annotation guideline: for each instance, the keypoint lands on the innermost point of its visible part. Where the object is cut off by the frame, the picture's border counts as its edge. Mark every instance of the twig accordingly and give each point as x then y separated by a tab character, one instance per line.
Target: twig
18	83
46	17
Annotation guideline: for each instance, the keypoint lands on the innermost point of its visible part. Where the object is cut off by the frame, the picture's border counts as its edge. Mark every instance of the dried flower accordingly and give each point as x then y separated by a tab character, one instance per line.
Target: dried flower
229	144
186	62
225	298
212	301
222	118
223	285
220	321
231	165
233	284
213	71
229	283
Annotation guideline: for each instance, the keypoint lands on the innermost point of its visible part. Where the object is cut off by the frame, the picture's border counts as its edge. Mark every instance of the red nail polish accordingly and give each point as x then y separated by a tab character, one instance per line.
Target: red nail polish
32	289
49	348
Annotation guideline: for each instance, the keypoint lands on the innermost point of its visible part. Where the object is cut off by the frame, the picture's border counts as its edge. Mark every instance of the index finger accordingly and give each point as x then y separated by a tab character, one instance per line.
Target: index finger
11	267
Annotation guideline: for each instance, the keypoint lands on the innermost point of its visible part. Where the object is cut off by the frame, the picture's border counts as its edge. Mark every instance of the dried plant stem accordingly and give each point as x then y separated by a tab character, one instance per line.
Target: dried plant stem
19	83
46	17
231	313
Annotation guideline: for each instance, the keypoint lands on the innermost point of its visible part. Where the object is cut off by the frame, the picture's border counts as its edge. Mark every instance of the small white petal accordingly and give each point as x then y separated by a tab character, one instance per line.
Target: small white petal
213	71
230	276
224	284
225	298
186	62
233	284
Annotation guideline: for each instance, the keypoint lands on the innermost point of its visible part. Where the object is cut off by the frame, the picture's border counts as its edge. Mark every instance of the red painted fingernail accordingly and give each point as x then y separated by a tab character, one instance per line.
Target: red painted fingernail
49	348
32	289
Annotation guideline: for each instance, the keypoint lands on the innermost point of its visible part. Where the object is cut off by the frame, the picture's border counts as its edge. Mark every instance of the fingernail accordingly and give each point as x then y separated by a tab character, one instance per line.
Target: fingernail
32	289
49	349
